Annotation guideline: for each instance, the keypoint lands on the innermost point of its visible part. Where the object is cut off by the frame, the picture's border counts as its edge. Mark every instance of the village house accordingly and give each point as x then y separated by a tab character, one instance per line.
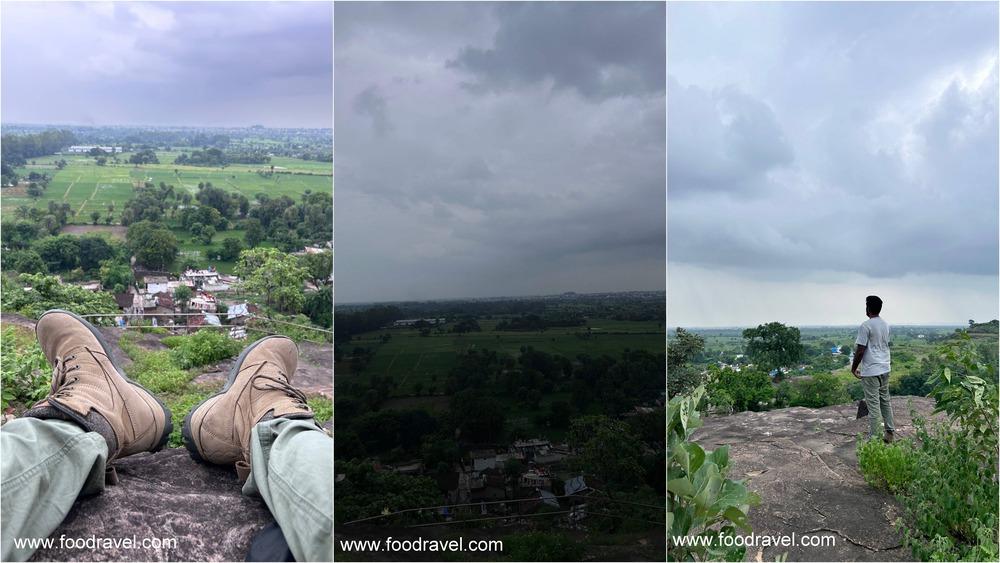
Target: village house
535	478
203	302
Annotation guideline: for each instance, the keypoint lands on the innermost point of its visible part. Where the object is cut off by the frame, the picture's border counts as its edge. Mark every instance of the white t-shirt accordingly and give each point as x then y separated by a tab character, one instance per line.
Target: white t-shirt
874	334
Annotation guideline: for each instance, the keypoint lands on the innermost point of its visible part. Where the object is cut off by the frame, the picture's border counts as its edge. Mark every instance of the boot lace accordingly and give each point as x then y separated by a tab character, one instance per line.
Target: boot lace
62	382
280	383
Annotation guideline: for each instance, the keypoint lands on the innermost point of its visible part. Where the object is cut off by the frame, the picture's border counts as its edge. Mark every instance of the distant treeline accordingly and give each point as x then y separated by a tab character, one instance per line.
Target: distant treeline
537	322
15	150
214	157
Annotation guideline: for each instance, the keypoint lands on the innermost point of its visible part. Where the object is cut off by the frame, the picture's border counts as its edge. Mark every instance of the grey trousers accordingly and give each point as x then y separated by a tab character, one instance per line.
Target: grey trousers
876	388
46	464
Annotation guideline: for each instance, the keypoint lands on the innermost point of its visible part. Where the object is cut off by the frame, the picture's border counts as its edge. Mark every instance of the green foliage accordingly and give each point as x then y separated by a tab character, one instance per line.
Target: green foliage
743	390
48	293
701	501
608	449
952	498
274	275
682	349
891	467
366	492
26	375
820	390
773	345
322	408
541	546
116	276
202	348
153	244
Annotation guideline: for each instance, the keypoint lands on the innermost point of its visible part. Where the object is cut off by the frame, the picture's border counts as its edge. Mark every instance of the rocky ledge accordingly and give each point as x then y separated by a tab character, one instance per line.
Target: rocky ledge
802	463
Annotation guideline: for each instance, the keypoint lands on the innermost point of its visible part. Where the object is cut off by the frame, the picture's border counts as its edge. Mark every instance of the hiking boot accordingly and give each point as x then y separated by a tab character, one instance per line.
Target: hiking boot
889	437
217	430
91	389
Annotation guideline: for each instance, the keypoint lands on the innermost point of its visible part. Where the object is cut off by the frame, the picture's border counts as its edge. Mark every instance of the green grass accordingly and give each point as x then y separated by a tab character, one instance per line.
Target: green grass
322	408
87	187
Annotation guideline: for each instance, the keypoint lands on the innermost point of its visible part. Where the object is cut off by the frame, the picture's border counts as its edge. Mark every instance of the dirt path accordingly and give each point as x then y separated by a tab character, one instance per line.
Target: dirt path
97	186
70	187
802	463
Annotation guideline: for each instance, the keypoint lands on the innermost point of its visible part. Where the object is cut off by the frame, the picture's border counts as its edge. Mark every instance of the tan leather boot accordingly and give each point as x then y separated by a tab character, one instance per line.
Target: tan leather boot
90	389
218	429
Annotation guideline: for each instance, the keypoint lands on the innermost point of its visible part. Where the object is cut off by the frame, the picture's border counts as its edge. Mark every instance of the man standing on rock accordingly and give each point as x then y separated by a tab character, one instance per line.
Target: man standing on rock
871	366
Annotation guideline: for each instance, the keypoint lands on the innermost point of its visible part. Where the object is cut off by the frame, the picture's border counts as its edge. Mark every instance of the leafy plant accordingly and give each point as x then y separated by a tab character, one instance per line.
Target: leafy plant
892	467
952	497
820	390
47	292
202	348
701	501
322	408
743	390
25	373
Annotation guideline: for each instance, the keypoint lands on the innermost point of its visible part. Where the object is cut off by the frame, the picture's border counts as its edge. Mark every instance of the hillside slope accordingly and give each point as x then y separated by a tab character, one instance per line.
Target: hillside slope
802	463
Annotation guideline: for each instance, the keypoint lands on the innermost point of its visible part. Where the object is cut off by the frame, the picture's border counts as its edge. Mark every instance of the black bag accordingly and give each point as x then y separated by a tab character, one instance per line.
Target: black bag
862	408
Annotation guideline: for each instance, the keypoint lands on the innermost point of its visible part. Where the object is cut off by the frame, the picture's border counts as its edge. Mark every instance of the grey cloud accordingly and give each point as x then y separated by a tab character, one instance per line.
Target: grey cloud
205	63
884	167
599	49
509	191
369	102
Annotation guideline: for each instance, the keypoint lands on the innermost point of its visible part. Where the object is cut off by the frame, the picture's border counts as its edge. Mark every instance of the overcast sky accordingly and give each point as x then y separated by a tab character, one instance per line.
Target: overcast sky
158	63
498	149
821	152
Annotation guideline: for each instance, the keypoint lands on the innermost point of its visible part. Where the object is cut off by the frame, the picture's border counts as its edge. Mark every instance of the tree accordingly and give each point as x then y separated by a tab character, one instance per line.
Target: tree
24	261
231	248
608	449
478	417
275	275
95	249
182	294
60	253
152	243
773	346
95	216
319	266
254	232
682	349
34	190
101	160
207	233
116	276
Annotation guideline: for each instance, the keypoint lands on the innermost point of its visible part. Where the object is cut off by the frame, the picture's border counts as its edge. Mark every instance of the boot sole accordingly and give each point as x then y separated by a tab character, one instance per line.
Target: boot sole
186	428
169	427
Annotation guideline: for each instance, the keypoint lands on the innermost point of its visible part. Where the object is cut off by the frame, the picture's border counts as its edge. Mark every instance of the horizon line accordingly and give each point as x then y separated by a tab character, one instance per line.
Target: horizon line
496	297
150	125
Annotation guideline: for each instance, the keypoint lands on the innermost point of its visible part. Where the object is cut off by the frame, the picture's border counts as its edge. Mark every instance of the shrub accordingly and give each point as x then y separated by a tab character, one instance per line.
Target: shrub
26	375
747	389
820	390
701	501
322	408
541	546
201	348
48	293
891	467
951	502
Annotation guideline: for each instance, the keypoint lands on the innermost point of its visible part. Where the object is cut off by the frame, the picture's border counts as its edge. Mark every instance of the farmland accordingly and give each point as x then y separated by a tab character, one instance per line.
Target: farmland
410	358
88	187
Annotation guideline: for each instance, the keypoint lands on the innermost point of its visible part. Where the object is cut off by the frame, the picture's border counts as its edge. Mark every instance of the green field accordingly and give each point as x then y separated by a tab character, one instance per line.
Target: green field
410	358
88	187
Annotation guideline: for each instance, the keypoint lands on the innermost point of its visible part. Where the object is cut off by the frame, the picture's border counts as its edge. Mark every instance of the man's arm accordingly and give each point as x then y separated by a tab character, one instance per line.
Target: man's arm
859	352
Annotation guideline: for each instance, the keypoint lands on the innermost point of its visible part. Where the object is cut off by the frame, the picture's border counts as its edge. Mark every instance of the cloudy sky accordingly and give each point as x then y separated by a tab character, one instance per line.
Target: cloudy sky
820	152
186	63
498	149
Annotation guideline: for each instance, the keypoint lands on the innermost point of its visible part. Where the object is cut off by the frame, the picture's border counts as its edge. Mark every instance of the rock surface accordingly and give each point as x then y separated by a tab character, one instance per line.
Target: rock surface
165	495
312	377
802	463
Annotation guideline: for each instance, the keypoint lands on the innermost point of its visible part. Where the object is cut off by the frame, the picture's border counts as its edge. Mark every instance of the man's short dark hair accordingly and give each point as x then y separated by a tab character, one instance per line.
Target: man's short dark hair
874	304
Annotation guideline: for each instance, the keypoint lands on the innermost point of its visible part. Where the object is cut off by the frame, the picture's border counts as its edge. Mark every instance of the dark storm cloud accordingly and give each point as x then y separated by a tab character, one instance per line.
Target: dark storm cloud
546	175
186	63
599	49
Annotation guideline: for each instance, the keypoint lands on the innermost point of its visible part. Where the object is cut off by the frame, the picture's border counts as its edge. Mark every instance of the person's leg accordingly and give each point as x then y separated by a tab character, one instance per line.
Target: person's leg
46	464
292	470
871	388
886	406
